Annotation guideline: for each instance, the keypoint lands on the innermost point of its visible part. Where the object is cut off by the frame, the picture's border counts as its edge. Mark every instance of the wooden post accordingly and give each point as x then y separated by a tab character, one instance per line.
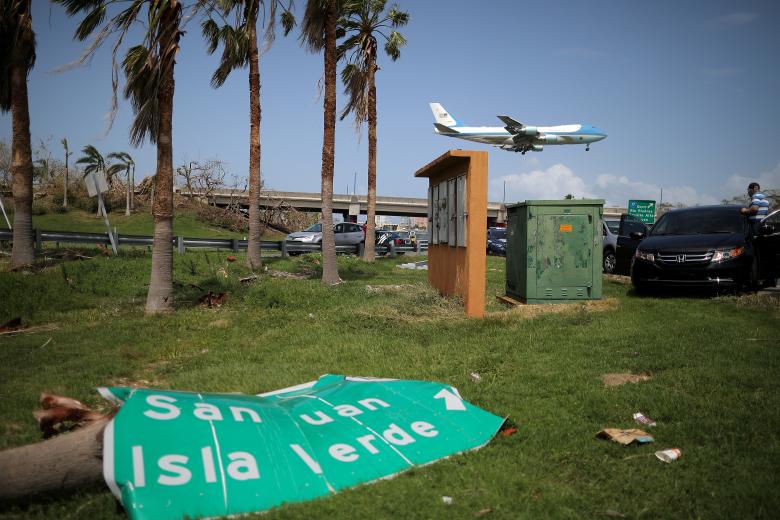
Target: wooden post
283	248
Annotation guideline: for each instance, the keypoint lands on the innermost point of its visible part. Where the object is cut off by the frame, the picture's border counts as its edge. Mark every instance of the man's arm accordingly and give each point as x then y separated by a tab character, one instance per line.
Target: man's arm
751	210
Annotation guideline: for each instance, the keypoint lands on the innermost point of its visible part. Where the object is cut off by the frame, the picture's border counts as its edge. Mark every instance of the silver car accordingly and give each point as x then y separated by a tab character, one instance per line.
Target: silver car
346	233
611	228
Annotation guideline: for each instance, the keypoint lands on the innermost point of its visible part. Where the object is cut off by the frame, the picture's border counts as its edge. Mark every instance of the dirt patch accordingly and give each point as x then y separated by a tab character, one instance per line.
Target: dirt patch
618	278
388	288
764	300
533	311
285	274
622	379
219	323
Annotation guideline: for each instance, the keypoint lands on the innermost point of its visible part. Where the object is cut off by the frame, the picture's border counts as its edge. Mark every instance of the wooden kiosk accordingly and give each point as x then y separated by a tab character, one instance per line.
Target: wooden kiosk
457	216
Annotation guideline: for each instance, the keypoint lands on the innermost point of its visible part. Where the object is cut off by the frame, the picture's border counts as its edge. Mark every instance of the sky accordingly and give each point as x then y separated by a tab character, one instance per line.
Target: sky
686	91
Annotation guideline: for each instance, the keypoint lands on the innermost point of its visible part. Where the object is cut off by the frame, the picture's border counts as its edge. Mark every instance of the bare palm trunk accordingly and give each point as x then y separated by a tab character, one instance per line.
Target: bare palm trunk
253	257
330	273
160	296
369	252
65	184
132	188
23	252
127	202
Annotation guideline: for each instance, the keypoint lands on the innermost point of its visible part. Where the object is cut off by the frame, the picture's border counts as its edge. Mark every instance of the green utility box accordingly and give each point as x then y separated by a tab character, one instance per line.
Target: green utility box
553	252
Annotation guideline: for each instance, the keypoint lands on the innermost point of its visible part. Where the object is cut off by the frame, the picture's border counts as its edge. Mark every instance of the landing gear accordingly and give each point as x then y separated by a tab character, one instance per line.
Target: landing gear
587	147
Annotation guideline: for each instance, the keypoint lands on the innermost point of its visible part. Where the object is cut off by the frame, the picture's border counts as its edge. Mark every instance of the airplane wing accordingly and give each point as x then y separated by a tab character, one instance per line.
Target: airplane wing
519	131
510	123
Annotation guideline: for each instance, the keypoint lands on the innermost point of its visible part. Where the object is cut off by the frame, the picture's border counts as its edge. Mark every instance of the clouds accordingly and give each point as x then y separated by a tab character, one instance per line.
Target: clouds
737	184
555	182
559	180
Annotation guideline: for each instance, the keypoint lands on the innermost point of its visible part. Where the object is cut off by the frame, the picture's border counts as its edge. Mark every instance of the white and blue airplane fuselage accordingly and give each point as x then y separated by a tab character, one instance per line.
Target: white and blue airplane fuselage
516	136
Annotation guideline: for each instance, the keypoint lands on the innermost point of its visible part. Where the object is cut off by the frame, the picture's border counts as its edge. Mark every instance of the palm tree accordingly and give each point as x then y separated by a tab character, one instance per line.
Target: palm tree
67	171
17	57
127	165
148	69
318	34
362	21
239	43
94	162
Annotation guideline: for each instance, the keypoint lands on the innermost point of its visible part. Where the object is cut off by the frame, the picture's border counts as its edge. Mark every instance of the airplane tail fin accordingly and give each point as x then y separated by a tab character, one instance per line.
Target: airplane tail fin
443	117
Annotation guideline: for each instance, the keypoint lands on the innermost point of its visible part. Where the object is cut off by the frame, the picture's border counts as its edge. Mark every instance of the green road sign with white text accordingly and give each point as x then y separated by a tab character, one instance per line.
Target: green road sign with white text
174	454
643	209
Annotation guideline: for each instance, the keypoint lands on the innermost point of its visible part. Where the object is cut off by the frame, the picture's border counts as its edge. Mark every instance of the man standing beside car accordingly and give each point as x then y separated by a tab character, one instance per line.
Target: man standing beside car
758	207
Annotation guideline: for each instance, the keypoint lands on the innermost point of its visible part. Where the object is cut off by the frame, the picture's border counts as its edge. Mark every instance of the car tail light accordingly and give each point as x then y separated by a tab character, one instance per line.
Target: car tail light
398	241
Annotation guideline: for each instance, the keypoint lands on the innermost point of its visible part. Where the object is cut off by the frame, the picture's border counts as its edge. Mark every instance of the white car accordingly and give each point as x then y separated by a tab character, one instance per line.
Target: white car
346	233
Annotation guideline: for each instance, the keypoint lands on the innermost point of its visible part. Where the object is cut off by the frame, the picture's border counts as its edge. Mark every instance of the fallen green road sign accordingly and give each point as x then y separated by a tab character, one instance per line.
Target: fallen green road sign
174	454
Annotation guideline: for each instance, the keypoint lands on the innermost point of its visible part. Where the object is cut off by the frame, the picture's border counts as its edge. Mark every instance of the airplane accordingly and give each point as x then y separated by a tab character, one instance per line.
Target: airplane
515	136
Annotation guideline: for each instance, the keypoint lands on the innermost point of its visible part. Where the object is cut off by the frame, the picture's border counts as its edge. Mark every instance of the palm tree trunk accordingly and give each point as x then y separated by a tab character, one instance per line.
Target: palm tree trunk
253	257
132	188
369	253
23	252
127	202
65	184
160	296
330	273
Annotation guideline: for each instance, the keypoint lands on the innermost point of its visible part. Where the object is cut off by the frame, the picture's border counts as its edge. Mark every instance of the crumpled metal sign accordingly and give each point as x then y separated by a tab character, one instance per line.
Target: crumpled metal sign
174	454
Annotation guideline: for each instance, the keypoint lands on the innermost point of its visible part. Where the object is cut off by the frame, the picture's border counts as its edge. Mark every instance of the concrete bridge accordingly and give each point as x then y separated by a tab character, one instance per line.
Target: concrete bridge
352	204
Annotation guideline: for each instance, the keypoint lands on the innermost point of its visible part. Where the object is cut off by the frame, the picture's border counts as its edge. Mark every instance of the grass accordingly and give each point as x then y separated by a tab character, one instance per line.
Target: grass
141	223
714	387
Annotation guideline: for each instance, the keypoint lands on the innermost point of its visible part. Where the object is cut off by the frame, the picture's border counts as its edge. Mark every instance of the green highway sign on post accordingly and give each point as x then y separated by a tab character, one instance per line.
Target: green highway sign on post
643	209
175	454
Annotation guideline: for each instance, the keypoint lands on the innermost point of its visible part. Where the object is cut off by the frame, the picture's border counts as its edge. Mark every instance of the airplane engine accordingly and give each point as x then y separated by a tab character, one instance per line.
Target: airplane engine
528	130
537	147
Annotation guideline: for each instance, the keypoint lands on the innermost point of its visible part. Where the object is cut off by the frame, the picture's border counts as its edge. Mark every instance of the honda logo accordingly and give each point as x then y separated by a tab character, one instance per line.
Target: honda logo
680	259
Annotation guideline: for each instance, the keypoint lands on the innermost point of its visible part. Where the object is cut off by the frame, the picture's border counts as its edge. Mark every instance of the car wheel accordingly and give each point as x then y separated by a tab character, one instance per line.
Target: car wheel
610	261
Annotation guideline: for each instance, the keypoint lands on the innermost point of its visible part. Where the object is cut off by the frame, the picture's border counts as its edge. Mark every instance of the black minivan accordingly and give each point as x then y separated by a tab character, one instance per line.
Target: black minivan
709	246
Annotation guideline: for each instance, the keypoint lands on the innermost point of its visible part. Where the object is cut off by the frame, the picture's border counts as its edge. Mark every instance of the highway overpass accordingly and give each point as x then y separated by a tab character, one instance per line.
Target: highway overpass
349	204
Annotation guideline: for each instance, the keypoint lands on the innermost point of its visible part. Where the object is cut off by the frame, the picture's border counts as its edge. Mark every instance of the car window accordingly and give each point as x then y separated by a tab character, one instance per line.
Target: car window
633	226
700	221
613	225
314	228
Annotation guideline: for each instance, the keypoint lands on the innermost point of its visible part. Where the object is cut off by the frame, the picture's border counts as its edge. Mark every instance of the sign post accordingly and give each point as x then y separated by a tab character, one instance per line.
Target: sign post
643	209
8	223
96	186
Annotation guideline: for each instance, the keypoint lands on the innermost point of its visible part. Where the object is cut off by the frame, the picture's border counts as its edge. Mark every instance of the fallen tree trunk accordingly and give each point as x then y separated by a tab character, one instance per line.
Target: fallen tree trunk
62	463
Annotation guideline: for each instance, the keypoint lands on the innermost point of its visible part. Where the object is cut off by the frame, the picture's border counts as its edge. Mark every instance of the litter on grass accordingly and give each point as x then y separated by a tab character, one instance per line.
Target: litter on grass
625	437
415	265
668	455
644	420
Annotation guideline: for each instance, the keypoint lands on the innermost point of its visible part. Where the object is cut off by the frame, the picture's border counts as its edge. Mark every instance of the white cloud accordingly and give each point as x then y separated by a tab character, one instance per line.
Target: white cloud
558	180
737	184
555	182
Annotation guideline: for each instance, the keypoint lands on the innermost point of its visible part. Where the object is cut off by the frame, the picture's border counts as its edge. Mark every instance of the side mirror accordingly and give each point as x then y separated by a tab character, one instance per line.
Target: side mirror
766	229
637	235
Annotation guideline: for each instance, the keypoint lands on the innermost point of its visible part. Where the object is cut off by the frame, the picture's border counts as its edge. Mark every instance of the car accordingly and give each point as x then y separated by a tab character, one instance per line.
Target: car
384	238
496	241
345	234
618	244
713	246
610	230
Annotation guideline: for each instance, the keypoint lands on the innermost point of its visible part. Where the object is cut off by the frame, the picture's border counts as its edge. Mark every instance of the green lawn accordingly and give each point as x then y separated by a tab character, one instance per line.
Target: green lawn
714	363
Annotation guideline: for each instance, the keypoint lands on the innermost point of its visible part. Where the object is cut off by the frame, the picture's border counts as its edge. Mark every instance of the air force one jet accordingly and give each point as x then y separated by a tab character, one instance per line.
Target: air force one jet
515	136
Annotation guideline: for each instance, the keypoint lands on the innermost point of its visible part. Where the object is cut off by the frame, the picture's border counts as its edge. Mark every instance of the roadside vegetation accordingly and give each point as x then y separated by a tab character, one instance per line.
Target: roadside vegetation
712	364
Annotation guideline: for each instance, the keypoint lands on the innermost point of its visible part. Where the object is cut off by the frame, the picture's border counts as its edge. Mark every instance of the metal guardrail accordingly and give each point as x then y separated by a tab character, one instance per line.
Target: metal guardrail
181	243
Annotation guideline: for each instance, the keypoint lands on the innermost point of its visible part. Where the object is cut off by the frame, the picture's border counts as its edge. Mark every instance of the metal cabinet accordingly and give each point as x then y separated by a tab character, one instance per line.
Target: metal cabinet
447	212
554	250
